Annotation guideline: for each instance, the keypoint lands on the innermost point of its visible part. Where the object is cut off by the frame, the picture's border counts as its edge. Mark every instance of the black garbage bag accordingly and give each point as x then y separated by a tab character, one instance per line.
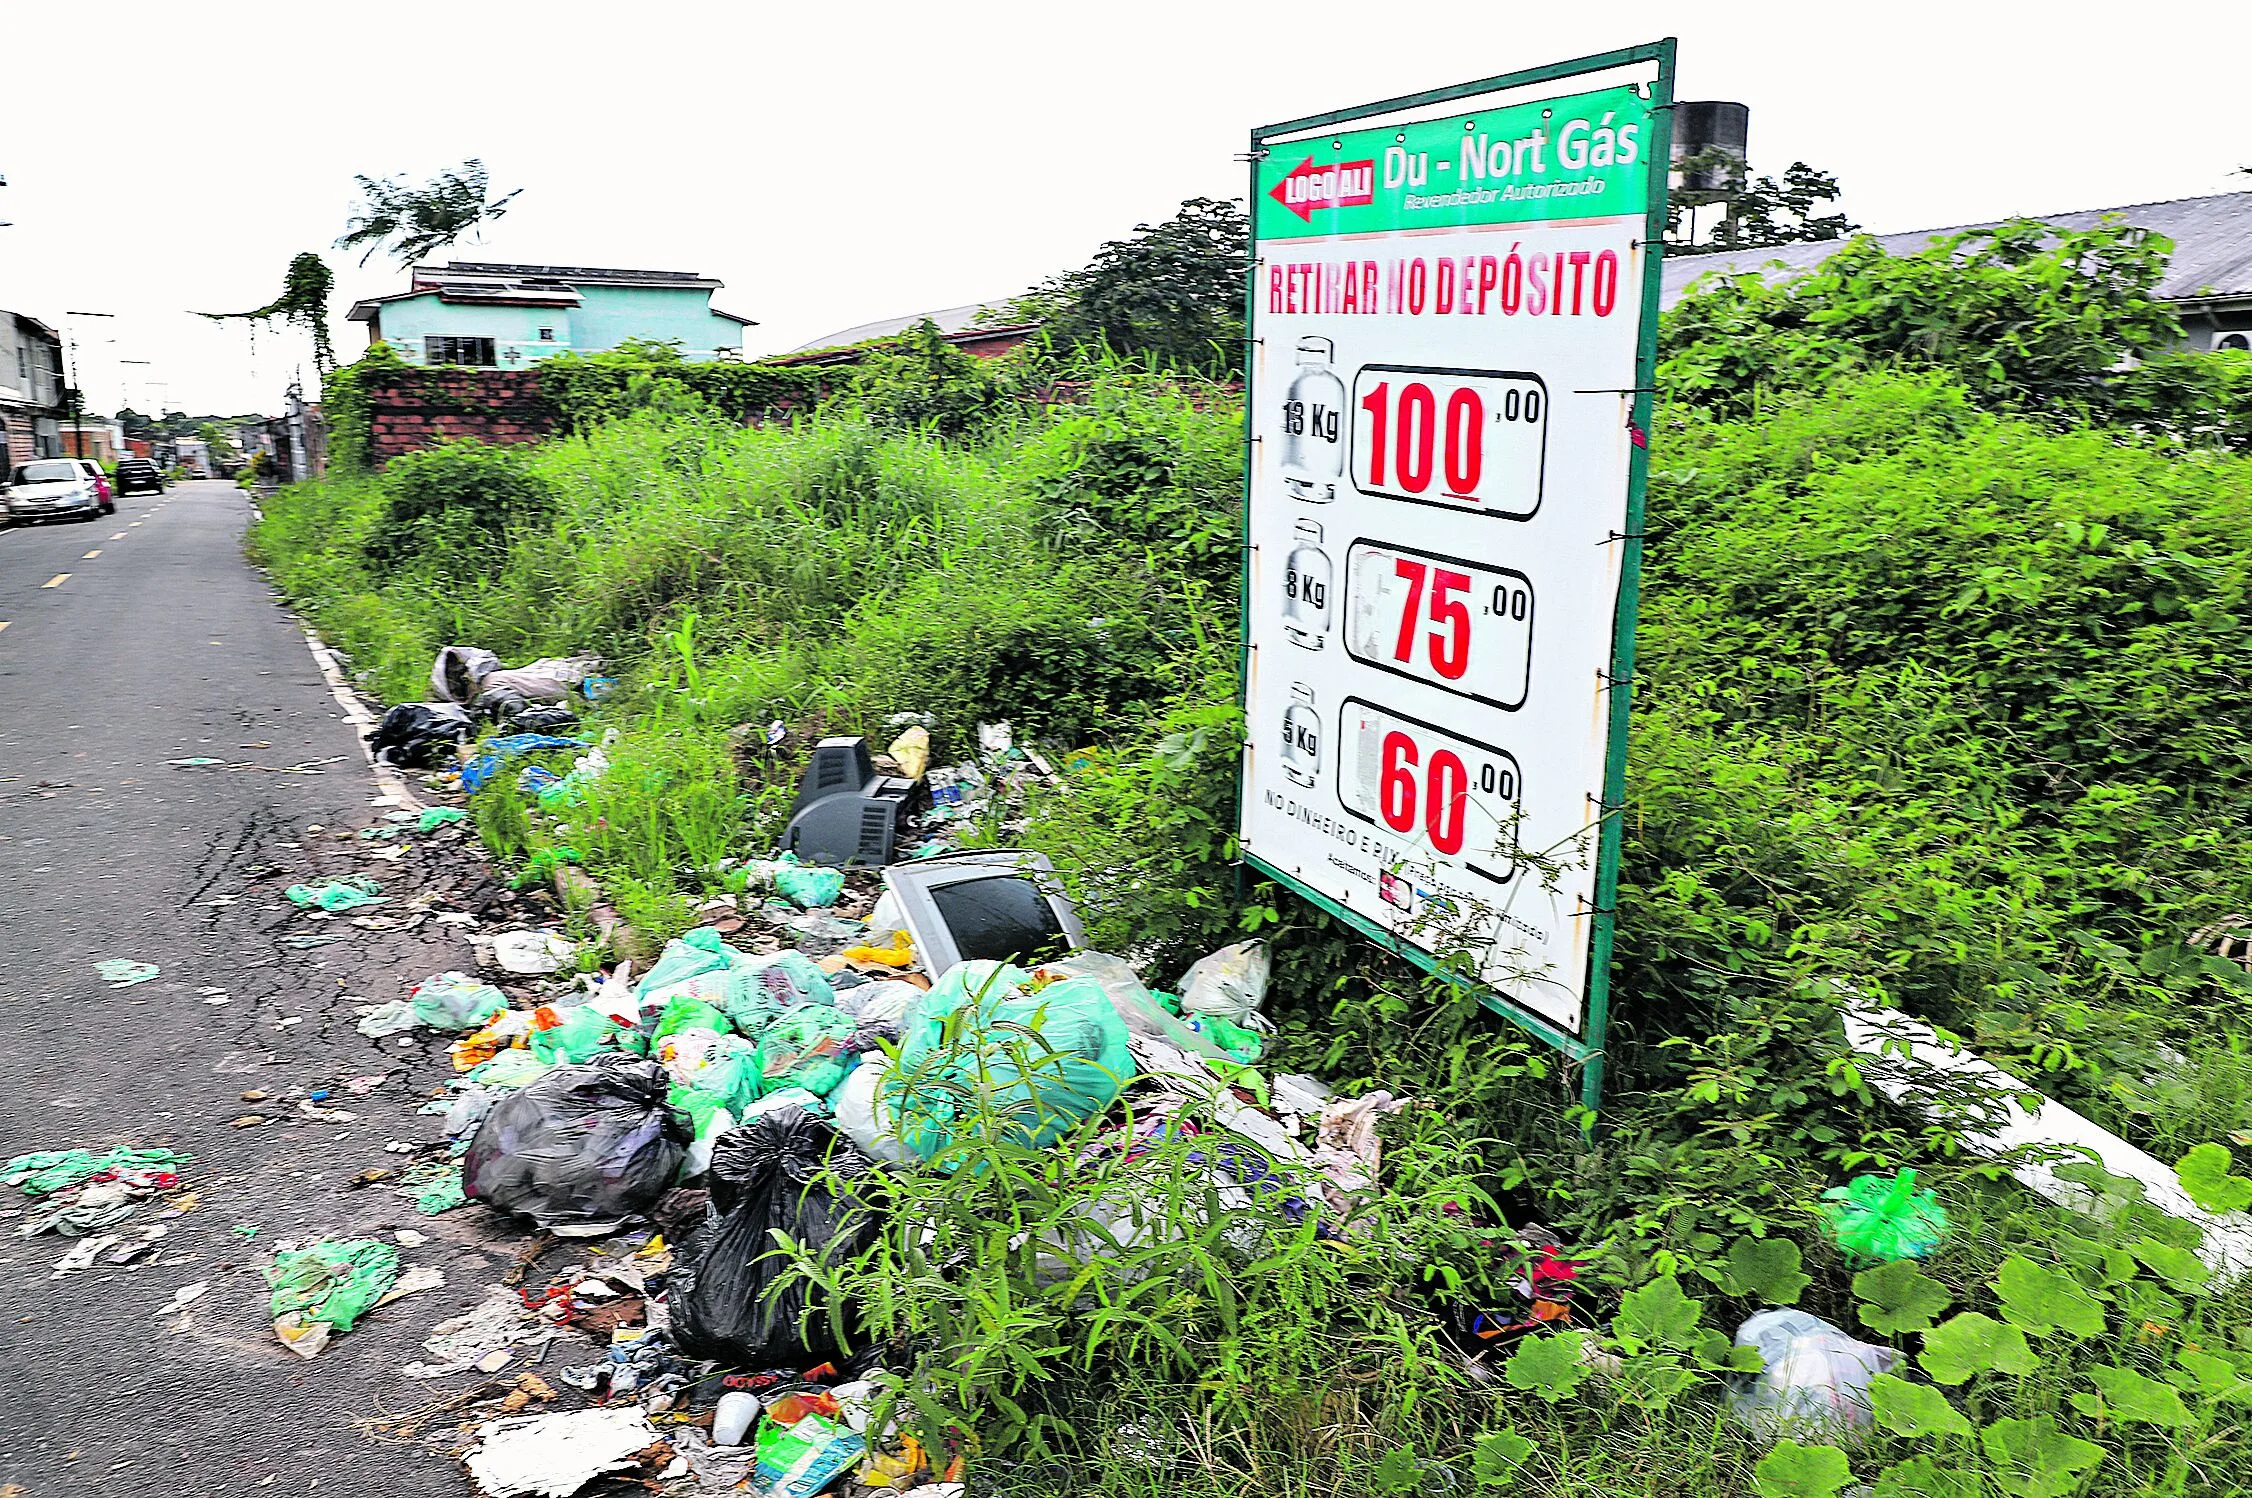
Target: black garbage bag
420	735
580	1148
520	714
764	1179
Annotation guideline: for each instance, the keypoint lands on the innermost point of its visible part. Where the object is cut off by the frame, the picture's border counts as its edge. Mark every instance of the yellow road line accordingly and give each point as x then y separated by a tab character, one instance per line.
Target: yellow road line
136	522
56	581
4	623
118	537
97	551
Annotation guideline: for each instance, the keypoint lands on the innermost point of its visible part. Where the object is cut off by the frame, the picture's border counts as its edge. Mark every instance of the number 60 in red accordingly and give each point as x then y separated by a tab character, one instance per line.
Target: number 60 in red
1445	791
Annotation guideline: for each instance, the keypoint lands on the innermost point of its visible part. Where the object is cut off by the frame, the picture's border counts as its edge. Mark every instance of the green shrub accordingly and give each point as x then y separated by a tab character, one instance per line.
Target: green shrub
456	504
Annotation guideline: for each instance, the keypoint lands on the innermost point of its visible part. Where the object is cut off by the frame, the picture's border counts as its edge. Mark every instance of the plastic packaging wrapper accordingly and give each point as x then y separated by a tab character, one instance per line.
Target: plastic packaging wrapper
898	952
806	1048
456	1001
583	1033
1816	1379
420	735
459	672
327	1288
580	1148
767	1177
800	1459
498	752
1230	983
965	1052
884	1003
1877	1220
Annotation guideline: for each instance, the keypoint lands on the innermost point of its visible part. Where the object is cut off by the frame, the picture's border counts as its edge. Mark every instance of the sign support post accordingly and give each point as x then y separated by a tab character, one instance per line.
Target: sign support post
1452	320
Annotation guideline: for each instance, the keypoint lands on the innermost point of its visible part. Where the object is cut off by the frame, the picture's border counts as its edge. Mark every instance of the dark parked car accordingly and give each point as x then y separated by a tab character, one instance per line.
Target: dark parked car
139	475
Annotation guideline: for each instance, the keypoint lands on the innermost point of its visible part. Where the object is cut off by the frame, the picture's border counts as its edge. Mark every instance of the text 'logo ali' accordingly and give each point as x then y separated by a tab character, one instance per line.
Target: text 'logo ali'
1345	185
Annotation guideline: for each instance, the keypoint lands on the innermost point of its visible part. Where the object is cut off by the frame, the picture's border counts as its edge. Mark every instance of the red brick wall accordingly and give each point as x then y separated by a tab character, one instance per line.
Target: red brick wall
491	405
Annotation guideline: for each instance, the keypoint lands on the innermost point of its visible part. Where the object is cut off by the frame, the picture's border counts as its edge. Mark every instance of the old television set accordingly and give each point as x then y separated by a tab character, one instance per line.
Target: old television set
996	904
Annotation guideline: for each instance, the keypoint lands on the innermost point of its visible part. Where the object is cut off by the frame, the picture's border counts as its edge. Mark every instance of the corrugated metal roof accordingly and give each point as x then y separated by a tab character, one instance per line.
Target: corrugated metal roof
2212	246
590	274
949	319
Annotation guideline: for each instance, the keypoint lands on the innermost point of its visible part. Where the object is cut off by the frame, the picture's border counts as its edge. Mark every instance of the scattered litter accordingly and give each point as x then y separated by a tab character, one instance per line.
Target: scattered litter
555	1455
326	1289
182	1298
454	1001
420	735
434	1187
337	895
532	953
394	1017
498	1324
1815	1381
305	941
120	972
197	762
440	816
1879	1219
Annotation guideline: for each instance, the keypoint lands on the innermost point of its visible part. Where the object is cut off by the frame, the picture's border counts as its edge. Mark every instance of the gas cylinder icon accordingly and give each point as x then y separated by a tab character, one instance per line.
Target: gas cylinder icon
1301	737
1313	425
1305	584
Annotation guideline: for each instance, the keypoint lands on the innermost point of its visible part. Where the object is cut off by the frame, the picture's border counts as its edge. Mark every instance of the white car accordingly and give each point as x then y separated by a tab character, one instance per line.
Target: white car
51	488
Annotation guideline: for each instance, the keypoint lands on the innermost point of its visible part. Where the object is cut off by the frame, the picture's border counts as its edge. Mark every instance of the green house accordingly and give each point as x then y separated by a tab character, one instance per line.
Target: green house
508	316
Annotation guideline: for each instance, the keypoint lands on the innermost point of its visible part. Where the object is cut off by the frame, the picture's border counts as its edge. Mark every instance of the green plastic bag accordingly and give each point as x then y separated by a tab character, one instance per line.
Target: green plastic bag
687	1012
700	951
806	1048
809	888
49	1171
769	987
337	895
439	816
1879	1220
330	1284
585	1032
456	1001
705	1112
726	1069
1245	1045
510	1068
982	1051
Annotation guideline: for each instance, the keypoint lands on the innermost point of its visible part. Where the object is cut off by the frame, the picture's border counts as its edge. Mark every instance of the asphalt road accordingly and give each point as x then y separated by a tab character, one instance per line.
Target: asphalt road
125	644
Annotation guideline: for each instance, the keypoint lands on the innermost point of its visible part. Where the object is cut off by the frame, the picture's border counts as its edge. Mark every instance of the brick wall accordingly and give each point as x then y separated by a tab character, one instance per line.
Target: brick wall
436	405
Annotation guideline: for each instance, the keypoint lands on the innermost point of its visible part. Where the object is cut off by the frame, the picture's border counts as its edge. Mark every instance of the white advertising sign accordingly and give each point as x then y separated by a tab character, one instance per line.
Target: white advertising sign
1446	321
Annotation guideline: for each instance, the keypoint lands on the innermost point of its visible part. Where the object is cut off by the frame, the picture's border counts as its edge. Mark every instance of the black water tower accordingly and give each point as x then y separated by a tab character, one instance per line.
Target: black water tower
1713	132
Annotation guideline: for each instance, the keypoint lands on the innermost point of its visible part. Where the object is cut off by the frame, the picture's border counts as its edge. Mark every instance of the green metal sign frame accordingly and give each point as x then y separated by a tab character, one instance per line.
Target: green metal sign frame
1586	1048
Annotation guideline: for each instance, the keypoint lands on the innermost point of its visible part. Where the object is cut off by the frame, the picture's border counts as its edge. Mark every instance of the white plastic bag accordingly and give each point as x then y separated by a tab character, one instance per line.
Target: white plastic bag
1230	983
1816	1379
863	1118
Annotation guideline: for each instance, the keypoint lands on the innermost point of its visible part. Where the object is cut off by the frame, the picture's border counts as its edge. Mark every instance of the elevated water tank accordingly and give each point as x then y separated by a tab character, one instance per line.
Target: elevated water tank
1712	132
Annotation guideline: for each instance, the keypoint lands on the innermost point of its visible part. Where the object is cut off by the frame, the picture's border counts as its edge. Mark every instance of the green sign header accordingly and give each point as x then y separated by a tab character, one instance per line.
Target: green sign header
1583	156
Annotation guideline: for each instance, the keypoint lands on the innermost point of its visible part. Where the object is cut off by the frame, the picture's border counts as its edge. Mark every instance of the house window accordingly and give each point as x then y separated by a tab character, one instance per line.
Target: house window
443	350
547	335
23	362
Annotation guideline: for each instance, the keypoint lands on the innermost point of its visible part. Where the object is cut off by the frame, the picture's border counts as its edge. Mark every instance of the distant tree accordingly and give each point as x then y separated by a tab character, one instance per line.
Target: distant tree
303	304
1174	291
134	423
419	220
1761	213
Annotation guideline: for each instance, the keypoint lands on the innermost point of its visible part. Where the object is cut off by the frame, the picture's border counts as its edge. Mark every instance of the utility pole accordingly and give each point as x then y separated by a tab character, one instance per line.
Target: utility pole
77	396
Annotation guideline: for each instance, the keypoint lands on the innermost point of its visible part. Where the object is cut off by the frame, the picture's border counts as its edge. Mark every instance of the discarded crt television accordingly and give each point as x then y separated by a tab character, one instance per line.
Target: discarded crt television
994	904
846	813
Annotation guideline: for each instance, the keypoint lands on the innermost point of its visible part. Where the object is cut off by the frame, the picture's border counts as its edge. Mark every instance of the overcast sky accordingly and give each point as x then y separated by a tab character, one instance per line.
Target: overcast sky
838	163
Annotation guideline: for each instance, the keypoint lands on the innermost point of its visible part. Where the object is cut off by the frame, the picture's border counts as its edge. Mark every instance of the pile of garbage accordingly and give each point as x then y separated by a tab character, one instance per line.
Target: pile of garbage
471	686
760	1079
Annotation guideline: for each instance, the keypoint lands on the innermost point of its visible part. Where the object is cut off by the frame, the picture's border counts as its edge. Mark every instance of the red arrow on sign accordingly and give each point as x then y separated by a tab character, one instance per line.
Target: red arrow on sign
1308	187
